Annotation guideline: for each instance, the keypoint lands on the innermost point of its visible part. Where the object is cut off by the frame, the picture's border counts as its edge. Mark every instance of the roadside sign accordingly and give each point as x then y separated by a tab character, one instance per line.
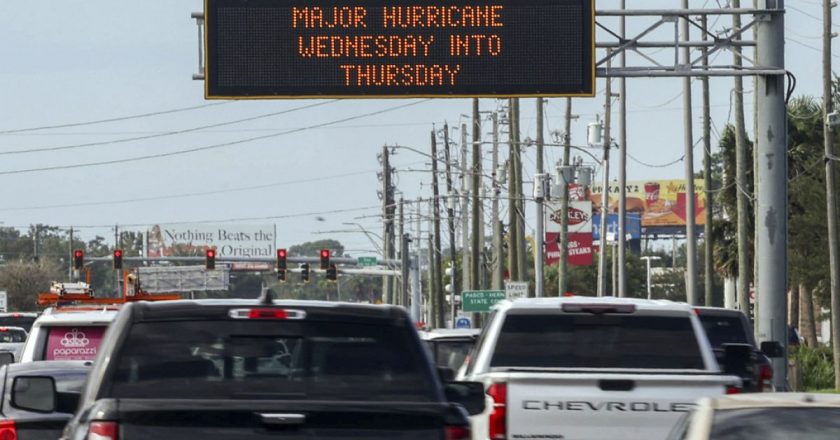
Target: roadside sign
367	261
463	322
516	289
4	301
481	300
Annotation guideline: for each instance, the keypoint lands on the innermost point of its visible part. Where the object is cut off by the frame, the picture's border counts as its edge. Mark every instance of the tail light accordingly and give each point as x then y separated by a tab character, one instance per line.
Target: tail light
498	417
103	431
456	433
765	378
8	430
733	390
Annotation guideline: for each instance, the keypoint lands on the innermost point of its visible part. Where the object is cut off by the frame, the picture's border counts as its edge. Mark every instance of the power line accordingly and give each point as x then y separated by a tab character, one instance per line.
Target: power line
209	147
122	118
164	134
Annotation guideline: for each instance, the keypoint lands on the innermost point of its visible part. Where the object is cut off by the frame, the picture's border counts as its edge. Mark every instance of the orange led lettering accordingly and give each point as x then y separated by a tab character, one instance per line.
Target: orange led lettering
432	15
495	16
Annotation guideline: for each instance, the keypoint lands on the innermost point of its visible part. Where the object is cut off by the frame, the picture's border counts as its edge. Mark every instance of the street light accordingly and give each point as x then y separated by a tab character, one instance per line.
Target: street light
647	259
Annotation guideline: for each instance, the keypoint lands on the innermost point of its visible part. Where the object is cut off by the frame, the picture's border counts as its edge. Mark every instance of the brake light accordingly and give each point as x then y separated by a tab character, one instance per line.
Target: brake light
103	431
733	390
8	430
266	313
498	417
765	378
598	309
456	433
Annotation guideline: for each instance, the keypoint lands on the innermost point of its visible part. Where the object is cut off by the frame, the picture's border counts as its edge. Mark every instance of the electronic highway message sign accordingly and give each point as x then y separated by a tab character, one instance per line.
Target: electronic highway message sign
399	48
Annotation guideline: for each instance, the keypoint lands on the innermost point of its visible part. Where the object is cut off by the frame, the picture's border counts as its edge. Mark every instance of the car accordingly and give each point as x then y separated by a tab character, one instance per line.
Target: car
68	333
588	368
25	413
18	319
767	416
223	369
729	329
450	347
12	340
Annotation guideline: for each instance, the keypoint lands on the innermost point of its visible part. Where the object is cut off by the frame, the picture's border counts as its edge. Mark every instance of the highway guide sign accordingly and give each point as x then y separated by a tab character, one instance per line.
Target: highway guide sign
409	48
481	300
366	261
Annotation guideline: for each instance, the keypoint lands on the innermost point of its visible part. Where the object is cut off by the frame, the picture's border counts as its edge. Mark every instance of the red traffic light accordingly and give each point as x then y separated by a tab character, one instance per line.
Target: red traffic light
78	259
117	260
281	259
210	259
325	259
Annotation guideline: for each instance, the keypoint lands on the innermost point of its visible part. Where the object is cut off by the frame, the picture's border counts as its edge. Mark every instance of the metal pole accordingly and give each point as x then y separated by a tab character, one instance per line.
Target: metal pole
116	272
690	220
416	284
466	249
830	189
450	210
742	202
622	169
402	299
708	261
475	175
539	185
437	302
387	223
771	212
498	263
605	193
70	257
521	256
513	248
649	290
563	265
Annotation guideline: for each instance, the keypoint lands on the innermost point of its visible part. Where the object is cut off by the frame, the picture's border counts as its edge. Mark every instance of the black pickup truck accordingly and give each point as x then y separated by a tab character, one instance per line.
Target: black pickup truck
260	369
730	330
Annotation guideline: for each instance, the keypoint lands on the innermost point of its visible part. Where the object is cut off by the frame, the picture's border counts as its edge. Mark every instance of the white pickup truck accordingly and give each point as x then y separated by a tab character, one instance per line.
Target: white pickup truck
591	368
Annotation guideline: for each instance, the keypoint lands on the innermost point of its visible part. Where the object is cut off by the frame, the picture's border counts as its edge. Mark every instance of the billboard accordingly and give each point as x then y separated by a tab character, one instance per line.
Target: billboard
229	240
417	48
580	226
633	227
657	202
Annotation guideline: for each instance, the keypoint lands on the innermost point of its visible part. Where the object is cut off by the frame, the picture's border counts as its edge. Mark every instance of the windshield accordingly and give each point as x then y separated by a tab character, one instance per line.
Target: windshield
269	359
451	354
12	336
724	330
593	341
777	424
24	322
73	343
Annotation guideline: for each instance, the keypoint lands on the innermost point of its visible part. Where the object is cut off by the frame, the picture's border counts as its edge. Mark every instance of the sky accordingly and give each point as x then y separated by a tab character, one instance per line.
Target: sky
68	63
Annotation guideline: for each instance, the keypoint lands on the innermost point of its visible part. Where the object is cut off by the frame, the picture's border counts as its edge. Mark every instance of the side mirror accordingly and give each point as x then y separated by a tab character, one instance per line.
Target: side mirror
772	349
34	393
6	358
736	358
445	374
470	395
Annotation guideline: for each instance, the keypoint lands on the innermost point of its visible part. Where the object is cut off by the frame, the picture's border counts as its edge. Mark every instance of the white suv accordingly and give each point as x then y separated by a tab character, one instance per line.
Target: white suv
68	333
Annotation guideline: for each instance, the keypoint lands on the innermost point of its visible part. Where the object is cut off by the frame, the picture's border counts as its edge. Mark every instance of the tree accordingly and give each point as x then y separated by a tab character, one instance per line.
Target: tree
25	280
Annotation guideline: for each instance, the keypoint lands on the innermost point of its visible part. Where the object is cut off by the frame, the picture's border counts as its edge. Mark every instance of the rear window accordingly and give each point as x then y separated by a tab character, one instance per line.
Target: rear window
24	322
451	354
73	343
777	424
597	341
271	360
724	330
12	336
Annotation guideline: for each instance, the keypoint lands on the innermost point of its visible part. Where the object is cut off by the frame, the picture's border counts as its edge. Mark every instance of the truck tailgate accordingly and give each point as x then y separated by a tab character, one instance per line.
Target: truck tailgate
584	406
278	420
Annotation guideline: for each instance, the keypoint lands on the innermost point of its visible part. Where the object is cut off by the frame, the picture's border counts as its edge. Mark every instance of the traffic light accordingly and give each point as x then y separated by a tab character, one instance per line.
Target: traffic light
325	259
281	260
117	260
78	259
210	259
332	273
304	272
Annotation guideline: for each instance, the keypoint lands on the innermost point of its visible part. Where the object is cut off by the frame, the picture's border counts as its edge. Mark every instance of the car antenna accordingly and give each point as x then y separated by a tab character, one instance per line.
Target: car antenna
266	296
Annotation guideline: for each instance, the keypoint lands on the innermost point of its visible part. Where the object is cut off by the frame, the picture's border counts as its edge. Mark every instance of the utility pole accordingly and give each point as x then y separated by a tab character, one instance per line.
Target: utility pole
450	205
622	170
475	175
36	236
401	299
437	302
116	272
830	189
521	257
70	257
539	185
433	295
499	254
513	246
690	220
771	212
466	248
605	193
563	266
416	284
387	220
741	158
708	262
